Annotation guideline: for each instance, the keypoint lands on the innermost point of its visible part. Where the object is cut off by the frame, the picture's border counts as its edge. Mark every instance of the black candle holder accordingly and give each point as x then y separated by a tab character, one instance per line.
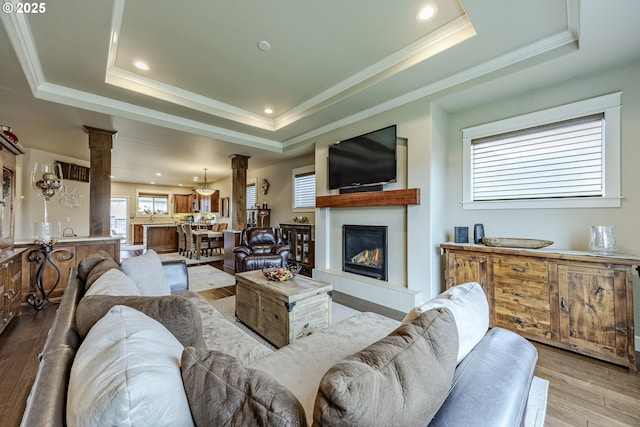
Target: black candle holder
42	255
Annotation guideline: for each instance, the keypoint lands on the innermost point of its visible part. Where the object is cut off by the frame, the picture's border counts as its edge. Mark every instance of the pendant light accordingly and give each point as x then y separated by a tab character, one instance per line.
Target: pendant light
204	191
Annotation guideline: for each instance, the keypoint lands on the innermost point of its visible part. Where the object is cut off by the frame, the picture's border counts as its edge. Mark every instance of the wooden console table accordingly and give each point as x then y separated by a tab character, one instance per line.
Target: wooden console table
569	299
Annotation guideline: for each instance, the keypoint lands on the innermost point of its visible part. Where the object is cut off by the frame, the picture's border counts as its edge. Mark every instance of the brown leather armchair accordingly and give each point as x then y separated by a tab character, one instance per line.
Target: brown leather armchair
260	248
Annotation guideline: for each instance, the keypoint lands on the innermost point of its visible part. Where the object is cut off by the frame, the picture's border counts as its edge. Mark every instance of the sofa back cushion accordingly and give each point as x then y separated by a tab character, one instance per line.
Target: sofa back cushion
113	282
222	392
147	273
470	309
179	315
400	380
127	372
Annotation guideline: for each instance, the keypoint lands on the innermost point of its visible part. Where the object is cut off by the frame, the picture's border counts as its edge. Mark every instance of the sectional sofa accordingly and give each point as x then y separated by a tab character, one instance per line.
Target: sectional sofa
126	348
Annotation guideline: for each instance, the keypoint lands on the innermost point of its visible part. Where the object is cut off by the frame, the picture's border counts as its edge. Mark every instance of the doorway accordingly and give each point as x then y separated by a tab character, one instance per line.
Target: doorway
119	218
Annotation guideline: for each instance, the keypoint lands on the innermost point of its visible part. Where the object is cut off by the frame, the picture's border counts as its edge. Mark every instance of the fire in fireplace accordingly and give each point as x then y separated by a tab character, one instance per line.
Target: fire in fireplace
364	250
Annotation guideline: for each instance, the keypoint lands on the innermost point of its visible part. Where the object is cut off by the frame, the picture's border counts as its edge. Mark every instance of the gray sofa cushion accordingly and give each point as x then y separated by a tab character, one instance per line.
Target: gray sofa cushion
400	380
179	315
491	385
222	392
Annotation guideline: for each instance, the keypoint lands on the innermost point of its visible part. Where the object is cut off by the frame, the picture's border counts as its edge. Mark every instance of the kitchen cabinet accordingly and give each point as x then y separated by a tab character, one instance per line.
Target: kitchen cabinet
183	203
574	300
301	240
208	204
10	286
138	234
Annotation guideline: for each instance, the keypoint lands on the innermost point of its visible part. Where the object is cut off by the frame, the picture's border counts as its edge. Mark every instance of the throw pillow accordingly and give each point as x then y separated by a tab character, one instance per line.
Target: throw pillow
401	380
470	309
86	264
179	315
98	270
127	372
147	273
222	392
113	282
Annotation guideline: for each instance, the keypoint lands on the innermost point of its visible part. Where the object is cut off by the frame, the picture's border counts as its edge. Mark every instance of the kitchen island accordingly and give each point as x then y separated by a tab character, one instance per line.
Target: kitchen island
161	237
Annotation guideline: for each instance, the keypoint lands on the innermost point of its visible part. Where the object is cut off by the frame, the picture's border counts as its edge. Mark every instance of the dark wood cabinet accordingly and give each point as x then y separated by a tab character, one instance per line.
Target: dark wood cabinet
301	239
80	248
208	204
10	286
138	234
573	300
183	203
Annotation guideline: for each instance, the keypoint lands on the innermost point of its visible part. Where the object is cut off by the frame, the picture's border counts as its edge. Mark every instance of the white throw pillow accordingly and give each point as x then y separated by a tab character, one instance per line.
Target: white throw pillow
127	373
147	273
114	283
470	309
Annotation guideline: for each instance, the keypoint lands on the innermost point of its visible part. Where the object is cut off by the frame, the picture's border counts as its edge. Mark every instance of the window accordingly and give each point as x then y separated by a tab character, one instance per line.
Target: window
566	156
304	188
251	195
153	204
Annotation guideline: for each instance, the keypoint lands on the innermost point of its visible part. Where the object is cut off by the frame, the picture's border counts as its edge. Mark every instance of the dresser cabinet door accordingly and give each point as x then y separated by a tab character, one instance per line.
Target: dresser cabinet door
593	309
464	268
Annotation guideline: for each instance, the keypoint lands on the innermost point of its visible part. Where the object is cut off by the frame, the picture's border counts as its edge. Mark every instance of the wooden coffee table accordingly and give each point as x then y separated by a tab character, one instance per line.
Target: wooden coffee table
282	311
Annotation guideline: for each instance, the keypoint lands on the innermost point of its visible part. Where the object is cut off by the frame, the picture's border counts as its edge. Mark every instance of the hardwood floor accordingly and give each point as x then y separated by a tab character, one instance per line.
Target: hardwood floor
582	391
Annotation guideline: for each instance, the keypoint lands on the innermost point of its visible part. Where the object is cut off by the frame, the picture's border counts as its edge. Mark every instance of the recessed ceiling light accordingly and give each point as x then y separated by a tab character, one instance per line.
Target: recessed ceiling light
268	110
264	45
141	65
426	12
152	182
158	174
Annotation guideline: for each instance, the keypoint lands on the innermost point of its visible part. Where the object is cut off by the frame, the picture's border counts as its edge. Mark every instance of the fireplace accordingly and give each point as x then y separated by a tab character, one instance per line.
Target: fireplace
364	250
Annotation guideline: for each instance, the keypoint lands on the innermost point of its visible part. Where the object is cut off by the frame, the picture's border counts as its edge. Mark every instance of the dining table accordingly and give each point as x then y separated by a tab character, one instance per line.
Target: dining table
208	234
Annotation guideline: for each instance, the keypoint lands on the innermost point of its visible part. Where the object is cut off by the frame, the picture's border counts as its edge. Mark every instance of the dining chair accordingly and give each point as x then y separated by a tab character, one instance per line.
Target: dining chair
190	240
181	239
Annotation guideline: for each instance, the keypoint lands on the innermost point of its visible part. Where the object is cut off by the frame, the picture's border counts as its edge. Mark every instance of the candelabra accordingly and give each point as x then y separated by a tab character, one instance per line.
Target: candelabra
46	179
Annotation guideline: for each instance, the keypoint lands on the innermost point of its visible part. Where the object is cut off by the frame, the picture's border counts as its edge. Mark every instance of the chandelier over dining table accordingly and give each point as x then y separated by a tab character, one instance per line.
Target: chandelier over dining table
204	190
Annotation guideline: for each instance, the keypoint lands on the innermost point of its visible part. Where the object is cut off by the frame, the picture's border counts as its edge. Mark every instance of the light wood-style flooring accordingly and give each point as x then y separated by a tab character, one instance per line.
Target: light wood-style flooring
582	392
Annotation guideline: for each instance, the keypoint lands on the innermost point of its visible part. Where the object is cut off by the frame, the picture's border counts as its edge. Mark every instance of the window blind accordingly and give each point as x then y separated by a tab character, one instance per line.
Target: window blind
251	196
558	160
304	190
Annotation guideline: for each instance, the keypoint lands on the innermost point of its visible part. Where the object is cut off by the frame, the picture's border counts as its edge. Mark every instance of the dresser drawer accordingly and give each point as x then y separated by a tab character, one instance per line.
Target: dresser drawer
526	293
523	319
522	268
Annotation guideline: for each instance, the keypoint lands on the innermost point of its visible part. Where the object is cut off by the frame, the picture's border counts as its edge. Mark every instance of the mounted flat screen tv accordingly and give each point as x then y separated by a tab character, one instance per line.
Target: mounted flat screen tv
364	160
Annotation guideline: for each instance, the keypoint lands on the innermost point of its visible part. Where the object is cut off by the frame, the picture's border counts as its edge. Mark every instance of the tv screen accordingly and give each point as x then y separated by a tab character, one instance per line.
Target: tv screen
363	160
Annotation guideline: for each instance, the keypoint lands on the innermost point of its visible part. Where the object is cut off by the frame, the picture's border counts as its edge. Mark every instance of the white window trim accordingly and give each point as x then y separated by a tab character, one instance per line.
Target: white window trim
299	171
609	104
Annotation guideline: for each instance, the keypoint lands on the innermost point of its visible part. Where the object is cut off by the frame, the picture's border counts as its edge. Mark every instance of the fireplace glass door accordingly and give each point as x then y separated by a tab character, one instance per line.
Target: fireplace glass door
364	249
